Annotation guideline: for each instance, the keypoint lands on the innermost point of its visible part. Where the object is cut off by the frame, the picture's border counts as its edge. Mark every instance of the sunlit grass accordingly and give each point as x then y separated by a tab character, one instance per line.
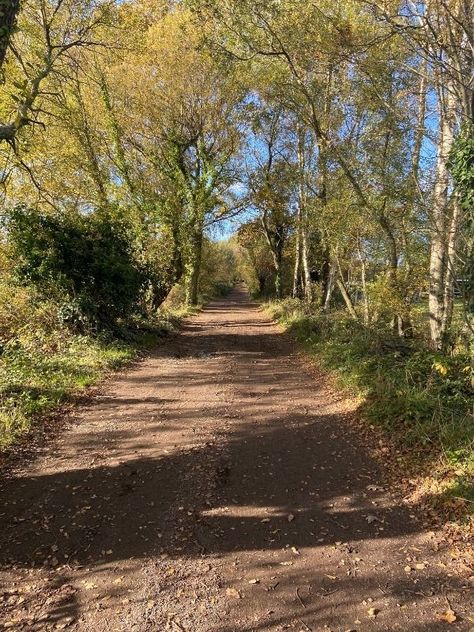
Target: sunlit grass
423	400
39	371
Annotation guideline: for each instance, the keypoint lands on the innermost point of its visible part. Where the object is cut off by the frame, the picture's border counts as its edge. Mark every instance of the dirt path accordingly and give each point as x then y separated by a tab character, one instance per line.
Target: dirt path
217	486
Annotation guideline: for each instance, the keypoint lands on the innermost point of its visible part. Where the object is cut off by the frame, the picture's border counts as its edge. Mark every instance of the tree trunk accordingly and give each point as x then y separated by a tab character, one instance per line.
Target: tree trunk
278	280
308	293
439	239
325	276
303	216
177	259
276	241
345	294
194	269
116	132
347	299
420	124
330	287
298	263
365	298
86	139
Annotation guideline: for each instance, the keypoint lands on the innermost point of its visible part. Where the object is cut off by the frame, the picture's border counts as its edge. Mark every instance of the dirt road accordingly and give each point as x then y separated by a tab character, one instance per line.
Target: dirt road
217	486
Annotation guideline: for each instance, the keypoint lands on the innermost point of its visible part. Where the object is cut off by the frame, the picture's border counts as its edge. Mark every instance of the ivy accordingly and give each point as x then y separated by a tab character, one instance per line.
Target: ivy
461	164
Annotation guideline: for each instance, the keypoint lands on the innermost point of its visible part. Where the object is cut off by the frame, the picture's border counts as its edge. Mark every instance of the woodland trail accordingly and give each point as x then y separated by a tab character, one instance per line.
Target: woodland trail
217	486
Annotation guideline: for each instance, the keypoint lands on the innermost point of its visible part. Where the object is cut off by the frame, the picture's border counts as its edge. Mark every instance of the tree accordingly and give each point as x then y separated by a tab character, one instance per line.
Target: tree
271	184
186	124
49	42
440	34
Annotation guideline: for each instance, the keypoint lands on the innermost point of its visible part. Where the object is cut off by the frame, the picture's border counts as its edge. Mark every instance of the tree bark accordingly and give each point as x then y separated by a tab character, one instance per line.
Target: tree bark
347	299
439	240
345	294
325	277
177	268
363	277
330	287
308	292
278	279
275	239
194	269
449	280
298	263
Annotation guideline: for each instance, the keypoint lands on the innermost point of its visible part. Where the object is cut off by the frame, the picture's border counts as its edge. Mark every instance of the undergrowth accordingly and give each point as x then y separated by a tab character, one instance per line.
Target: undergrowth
423	400
43	362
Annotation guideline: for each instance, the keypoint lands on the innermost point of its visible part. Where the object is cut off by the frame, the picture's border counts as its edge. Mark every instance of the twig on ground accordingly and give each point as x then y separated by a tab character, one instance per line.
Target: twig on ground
299	597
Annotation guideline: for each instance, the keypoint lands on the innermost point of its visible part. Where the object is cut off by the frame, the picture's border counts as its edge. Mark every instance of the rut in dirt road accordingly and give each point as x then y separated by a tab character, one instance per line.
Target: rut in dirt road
217	486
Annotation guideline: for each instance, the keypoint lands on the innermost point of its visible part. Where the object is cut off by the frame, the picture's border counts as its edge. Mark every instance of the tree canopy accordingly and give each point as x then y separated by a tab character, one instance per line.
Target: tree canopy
325	130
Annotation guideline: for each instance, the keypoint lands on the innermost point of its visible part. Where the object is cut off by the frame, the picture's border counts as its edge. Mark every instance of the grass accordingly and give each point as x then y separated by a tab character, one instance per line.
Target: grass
42	367
422	400
42	363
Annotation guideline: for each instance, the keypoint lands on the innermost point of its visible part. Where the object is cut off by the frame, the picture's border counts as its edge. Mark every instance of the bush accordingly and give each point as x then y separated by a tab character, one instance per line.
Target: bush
86	260
22	307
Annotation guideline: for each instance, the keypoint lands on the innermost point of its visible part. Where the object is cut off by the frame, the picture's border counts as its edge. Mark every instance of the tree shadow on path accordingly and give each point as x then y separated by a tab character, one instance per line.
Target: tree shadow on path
282	477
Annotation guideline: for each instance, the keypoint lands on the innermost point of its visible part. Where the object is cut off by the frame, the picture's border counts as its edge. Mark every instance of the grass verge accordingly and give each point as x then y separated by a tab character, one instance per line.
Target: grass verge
422	400
41	367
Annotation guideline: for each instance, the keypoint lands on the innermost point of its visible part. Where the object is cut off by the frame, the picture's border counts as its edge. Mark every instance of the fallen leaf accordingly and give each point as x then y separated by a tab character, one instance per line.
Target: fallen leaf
372	612
371	518
64	624
449	616
89	585
233	592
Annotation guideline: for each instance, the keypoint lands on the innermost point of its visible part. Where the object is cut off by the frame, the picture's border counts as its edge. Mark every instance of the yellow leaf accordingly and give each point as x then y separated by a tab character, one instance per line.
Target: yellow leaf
440	368
448	616
233	592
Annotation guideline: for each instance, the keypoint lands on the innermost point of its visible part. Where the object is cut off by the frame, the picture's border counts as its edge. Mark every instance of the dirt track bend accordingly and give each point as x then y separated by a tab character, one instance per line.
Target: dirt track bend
217	486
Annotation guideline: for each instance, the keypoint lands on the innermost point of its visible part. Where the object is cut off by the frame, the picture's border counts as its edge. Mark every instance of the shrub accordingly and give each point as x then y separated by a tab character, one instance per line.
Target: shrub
86	260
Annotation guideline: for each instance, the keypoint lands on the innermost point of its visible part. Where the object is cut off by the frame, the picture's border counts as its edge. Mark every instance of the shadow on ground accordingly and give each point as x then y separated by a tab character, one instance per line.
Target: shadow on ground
279	452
